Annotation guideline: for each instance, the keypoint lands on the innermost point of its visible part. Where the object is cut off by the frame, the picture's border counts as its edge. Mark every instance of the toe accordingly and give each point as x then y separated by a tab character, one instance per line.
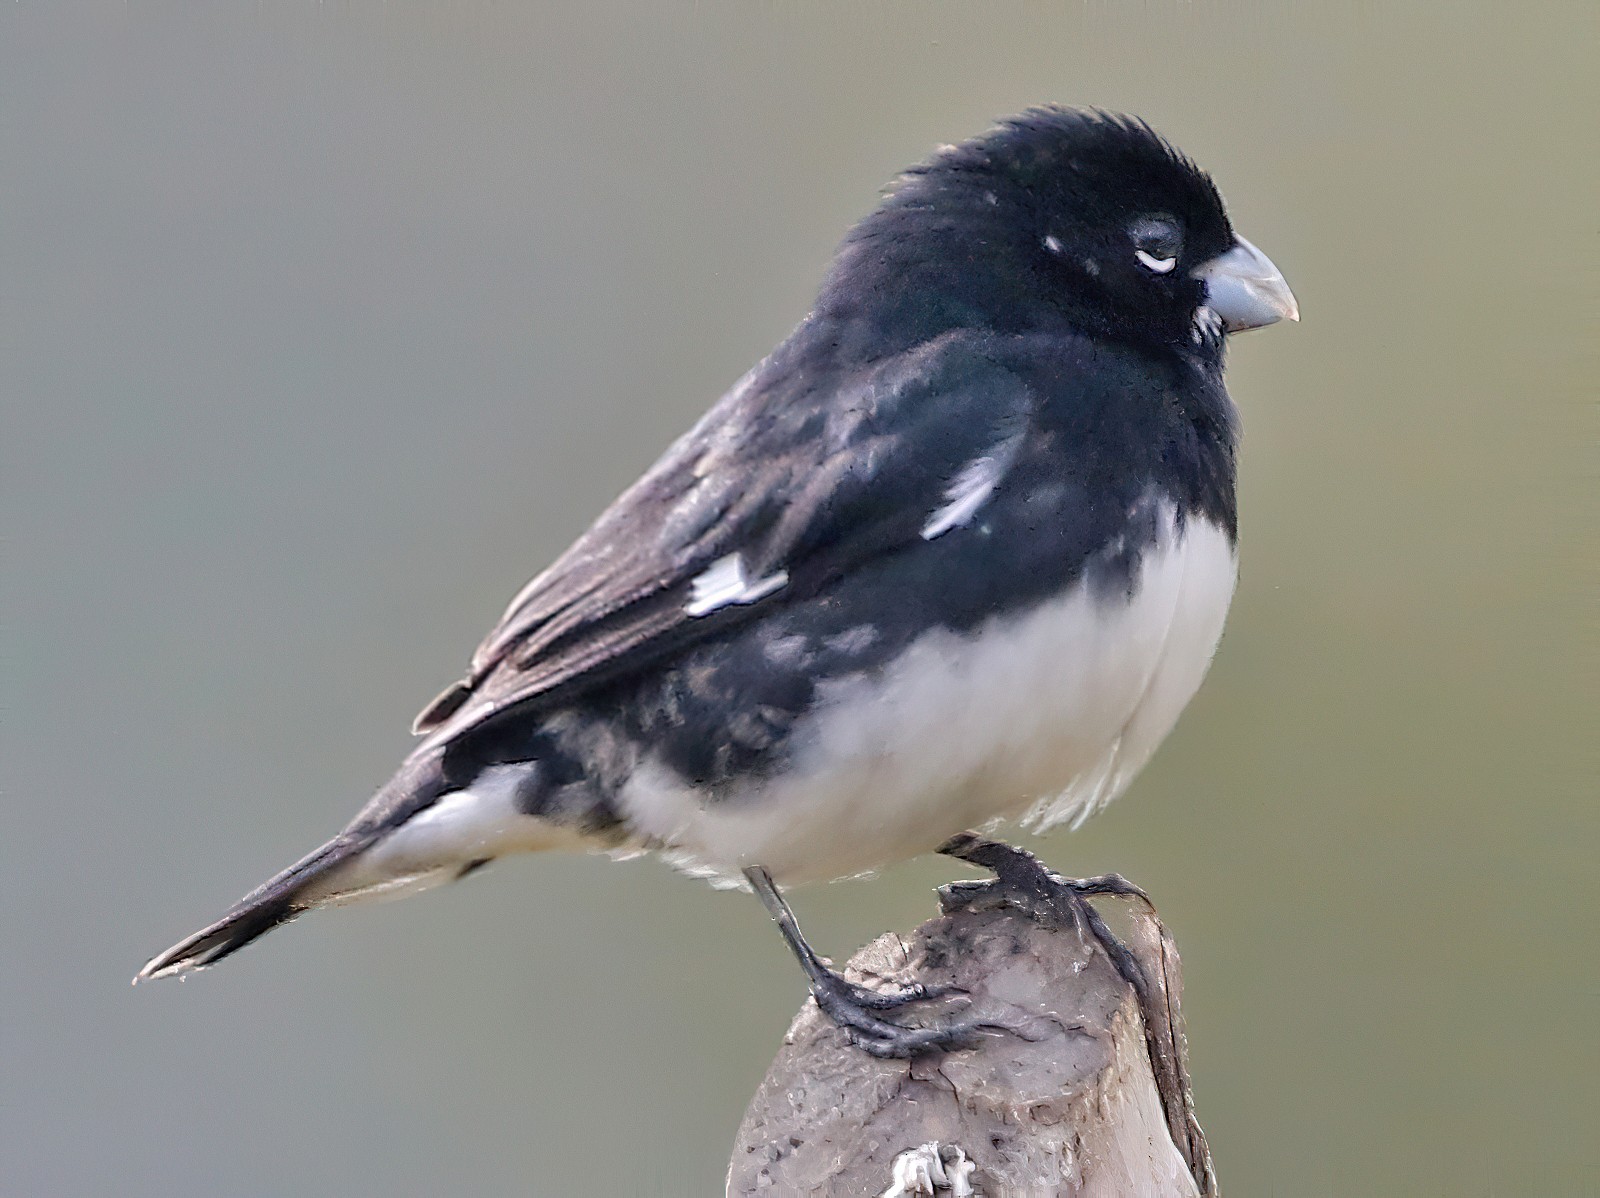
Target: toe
879	1000
893	1042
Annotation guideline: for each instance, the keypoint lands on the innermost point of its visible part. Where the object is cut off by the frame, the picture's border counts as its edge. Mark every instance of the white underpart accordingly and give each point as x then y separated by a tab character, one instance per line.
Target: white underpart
725	583
434	845
1044	715
1160	265
1053	244
972	488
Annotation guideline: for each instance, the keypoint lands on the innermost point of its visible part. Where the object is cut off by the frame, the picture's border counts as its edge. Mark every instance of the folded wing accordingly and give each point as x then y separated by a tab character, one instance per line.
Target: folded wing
779	489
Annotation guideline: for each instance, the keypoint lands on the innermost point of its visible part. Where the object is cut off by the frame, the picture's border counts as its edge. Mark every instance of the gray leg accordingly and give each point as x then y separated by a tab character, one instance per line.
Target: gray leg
857	1009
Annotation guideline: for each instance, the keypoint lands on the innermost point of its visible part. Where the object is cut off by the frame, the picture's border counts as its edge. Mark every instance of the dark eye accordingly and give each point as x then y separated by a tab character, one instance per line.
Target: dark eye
1157	242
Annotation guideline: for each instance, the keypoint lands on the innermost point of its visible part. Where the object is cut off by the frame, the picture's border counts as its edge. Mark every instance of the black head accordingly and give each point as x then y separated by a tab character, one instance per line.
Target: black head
1056	217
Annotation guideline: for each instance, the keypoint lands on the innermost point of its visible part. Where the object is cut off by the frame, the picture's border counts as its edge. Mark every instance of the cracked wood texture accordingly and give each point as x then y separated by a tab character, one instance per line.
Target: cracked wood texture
1087	1094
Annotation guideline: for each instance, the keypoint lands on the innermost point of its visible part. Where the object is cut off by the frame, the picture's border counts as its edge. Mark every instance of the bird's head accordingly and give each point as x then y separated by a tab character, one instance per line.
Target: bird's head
1059	216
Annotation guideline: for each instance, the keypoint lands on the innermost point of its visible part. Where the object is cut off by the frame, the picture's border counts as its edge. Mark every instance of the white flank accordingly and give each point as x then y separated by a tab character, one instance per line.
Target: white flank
972	488
1044	714
724	584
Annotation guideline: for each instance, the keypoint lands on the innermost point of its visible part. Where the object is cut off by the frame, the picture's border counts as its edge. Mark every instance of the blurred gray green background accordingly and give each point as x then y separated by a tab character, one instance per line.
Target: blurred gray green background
327	324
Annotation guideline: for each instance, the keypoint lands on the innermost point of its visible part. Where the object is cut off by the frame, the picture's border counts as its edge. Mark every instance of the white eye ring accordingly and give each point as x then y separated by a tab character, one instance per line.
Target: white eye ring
1160	265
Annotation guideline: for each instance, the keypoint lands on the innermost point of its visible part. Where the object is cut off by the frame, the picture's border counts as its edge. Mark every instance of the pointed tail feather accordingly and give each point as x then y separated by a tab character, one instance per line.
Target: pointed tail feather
264	908
385	852
419	781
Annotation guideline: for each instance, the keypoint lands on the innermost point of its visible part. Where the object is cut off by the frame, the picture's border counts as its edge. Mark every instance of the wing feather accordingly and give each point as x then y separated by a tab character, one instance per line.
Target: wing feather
795	482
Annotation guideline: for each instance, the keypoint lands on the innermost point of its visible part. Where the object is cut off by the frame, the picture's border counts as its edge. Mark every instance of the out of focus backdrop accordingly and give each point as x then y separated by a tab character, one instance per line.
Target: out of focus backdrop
326	325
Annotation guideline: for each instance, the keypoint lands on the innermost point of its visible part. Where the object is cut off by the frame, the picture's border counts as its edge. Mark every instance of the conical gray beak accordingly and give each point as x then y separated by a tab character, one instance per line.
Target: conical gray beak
1245	289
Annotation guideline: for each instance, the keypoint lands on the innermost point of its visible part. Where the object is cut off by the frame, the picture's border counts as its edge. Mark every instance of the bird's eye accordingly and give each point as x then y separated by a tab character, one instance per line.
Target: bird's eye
1157	242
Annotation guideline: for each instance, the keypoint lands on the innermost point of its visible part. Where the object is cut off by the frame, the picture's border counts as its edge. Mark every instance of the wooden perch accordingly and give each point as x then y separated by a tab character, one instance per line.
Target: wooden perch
1087	1093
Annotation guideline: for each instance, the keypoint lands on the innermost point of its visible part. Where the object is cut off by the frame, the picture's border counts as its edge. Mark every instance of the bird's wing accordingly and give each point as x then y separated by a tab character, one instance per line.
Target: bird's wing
774	493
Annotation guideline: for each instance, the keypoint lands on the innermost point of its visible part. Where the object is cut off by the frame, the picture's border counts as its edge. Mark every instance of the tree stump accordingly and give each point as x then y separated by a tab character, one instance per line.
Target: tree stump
1084	1093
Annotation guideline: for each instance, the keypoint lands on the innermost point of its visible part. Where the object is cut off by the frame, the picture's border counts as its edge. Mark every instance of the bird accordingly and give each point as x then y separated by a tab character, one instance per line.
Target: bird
954	555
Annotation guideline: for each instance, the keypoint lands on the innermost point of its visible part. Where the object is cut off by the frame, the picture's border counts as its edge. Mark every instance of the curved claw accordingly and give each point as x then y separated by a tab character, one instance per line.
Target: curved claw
1114	884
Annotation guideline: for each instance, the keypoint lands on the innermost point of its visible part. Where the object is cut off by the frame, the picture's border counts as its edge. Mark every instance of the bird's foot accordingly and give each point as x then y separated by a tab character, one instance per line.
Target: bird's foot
1022	882
859	1010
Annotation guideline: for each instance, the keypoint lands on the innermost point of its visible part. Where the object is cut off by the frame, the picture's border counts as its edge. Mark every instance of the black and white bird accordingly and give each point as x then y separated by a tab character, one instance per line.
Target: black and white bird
958	552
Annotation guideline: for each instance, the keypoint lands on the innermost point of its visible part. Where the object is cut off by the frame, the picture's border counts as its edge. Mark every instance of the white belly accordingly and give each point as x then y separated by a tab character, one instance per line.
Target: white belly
1044	716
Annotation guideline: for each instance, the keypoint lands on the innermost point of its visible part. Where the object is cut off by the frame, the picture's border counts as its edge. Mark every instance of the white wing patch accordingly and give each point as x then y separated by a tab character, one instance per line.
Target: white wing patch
972	488
725	584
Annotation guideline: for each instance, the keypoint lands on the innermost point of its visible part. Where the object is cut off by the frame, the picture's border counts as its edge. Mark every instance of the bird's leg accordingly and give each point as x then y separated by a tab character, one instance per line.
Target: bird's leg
1021	880
854	1008
1024	882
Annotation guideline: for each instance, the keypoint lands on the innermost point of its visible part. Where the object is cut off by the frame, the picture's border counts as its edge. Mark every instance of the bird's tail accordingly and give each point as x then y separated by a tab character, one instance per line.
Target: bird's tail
274	902
339	871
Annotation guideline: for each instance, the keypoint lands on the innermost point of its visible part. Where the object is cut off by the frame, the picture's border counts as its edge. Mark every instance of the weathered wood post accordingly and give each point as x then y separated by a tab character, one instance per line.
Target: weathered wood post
1087	1093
